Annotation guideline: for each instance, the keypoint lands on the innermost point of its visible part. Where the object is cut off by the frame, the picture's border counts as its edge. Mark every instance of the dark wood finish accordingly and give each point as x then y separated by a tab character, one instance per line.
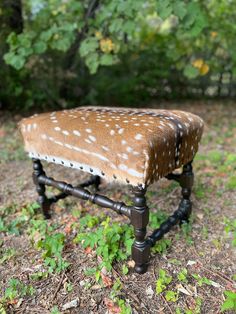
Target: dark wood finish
139	219
40	188
93	180
84	194
183	212
138	213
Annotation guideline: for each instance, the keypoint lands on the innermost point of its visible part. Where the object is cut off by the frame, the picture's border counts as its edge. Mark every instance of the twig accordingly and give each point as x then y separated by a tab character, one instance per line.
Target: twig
58	287
166	304
216	273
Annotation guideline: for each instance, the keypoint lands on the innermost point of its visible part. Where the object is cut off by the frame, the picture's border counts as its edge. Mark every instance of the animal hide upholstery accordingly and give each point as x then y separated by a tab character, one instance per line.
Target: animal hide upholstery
135	146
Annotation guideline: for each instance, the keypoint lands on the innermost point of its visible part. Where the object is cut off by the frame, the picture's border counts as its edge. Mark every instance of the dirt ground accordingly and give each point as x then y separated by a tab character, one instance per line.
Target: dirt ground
205	249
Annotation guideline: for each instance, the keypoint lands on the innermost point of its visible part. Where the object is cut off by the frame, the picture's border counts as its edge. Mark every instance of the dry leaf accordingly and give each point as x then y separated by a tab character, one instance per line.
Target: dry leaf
2	133
88	250
106	280
131	264
183	290
112	308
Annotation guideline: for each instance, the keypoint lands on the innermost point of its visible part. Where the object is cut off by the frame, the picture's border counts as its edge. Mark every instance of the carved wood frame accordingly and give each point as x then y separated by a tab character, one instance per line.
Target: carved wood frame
138	213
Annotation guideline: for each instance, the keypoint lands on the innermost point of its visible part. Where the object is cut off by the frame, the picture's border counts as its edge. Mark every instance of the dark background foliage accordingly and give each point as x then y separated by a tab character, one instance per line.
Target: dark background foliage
63	53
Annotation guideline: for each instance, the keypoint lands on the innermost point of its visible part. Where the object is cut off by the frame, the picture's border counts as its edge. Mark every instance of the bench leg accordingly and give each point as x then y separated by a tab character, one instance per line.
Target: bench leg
42	199
139	219
186	183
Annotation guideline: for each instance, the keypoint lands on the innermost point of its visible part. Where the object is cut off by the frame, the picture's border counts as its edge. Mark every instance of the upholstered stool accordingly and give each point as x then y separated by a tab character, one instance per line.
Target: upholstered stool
130	146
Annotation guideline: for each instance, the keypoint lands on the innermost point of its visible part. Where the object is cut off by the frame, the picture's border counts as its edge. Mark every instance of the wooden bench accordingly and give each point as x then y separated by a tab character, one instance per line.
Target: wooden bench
131	146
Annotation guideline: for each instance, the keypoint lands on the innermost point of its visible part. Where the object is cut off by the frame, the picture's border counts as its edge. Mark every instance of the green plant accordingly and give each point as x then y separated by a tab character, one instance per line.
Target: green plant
186	229
39	275
124	308
89	221
55	310
125	269
2	309
17	289
69	287
230	228
52	246
111	241
182	275
86	43
155	220
171	296
196	310
230	302
17	225
231	184
203	280
7	254
163	281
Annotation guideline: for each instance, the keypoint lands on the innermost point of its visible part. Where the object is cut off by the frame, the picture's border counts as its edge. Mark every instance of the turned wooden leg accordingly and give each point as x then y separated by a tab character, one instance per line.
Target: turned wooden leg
42	199
97	182
139	219
186	183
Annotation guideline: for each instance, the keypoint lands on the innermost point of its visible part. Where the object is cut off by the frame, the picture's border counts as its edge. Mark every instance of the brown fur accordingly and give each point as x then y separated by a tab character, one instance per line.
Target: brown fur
136	146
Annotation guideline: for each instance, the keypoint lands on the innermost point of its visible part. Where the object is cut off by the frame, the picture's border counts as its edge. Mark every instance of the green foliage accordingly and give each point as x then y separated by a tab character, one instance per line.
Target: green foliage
70	51
17	225
231	184
115	296
39	275
171	296
202	280
111	241
230	302
52	246
186	229
163	281
6	254
230	228
55	310
17	289
155	220
182	275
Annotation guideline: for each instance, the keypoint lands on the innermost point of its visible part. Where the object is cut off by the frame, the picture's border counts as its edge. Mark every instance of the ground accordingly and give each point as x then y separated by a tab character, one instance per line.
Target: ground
46	266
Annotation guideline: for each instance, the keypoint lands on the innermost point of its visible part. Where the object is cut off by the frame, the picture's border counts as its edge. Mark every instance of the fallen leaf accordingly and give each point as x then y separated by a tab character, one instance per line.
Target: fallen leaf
88	250
200	216
107	281
131	263
112	308
183	290
2	133
68	228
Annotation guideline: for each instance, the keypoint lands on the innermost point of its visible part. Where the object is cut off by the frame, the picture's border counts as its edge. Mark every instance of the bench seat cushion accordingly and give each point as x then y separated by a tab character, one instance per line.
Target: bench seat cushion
136	146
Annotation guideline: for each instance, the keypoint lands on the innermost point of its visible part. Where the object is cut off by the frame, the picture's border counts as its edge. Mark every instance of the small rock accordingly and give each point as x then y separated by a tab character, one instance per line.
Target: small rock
149	292
71	304
190	263
95	287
